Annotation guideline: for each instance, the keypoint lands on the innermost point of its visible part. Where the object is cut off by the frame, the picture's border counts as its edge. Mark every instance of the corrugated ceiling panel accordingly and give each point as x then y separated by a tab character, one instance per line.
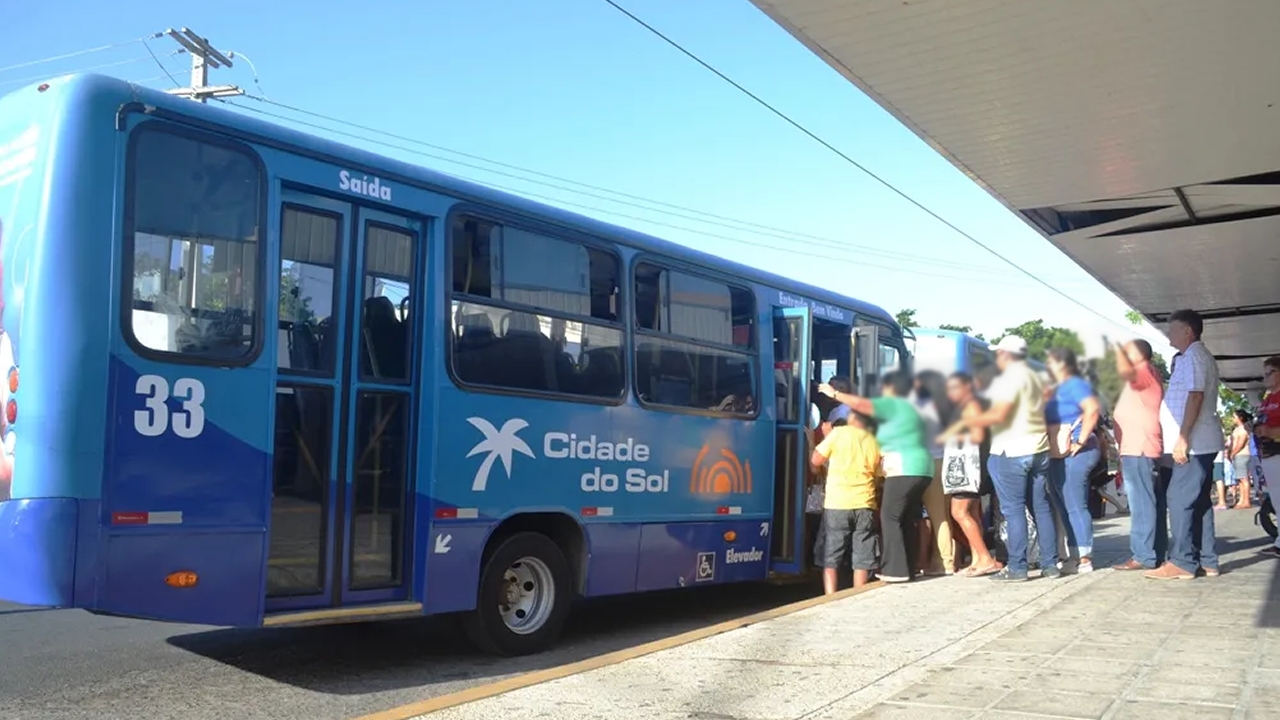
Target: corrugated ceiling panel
1051	102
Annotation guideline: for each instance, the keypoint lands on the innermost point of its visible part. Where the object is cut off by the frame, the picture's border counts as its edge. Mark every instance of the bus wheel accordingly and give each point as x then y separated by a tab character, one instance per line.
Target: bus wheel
523	599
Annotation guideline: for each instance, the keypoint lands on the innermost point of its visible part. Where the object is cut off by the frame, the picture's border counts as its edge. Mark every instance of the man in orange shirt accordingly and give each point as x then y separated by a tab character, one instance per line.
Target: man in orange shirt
1138	433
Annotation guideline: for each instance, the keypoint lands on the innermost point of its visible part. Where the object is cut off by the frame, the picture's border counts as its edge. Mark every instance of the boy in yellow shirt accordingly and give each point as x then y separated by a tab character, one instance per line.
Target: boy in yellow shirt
850	533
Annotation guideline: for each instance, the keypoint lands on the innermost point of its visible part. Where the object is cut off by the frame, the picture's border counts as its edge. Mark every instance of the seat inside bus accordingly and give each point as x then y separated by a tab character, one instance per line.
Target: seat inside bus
518	354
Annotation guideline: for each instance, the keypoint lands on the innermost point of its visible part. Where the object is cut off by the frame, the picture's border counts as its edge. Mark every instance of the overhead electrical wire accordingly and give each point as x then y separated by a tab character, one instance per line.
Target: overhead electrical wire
78	53
782	233
232	55
738	225
979	273
155	57
890	186
91	68
698	215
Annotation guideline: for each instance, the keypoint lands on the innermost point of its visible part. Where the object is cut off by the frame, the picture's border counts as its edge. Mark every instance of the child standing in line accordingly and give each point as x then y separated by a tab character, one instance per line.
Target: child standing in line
850	535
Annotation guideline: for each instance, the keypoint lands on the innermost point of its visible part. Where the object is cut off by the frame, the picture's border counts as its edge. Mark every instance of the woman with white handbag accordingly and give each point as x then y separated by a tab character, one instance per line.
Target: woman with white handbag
964	476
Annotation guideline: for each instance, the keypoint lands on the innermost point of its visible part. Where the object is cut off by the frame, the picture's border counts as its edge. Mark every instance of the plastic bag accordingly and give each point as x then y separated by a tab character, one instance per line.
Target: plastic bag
815	499
961	468
1033	538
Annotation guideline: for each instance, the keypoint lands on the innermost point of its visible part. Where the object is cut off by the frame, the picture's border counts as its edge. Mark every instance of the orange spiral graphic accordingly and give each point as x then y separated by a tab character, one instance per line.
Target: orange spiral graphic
723	475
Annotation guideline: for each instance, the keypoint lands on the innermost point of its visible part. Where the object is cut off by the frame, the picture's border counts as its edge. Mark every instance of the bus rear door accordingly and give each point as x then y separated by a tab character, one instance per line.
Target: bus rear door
342	486
793	374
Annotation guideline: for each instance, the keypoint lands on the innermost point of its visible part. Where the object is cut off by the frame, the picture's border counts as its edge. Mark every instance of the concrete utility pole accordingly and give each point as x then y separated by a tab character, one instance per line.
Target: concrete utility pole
203	57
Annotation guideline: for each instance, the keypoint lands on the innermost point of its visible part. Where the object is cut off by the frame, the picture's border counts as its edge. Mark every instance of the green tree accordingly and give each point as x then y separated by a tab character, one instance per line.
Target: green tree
1231	401
1041	337
1107	381
1134	317
906	317
966	329
294	307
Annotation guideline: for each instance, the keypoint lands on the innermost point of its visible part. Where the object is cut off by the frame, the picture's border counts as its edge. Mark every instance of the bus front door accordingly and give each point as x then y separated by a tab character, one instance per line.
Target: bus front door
340	532
792	340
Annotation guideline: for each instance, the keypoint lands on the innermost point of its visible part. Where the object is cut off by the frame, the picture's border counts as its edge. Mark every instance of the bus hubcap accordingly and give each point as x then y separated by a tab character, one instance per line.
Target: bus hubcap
527	596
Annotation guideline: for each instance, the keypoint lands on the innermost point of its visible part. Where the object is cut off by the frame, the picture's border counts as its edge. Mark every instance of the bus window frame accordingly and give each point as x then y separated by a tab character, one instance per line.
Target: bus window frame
416	241
340	254
127	245
675	265
485	213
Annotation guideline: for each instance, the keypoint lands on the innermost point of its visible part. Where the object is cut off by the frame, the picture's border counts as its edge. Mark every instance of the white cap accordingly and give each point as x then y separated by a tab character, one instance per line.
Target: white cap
1011	344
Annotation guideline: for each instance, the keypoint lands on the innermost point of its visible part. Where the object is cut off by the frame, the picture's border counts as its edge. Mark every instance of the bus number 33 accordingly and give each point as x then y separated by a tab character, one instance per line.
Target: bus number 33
187	420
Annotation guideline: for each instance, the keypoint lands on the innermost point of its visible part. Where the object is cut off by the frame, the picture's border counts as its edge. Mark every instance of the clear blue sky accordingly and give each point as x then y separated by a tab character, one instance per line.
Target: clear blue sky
575	89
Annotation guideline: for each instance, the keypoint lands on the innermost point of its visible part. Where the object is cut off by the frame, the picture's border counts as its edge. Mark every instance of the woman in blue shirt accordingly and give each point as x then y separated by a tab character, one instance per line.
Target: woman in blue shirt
1072	415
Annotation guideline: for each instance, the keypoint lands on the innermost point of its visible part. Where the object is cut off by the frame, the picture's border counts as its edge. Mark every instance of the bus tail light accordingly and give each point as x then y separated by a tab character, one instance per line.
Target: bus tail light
730	536
182	579
11	411
13	379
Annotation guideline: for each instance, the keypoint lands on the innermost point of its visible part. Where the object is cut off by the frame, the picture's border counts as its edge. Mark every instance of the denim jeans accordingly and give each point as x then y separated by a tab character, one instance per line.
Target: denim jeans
1148	509
1190	497
1070	476
1022	482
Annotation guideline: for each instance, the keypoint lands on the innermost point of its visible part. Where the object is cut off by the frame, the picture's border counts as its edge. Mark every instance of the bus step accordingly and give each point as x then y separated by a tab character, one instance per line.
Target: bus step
333	616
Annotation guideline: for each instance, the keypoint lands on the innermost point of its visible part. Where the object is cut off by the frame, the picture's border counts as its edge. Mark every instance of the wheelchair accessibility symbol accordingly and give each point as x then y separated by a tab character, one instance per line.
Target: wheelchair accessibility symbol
706	567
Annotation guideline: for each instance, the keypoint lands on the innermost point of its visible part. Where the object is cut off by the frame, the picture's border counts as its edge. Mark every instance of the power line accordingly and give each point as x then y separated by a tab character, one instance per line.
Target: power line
854	262
756	228
253	68
785	233
91	68
77	53
855	163
764	230
147	45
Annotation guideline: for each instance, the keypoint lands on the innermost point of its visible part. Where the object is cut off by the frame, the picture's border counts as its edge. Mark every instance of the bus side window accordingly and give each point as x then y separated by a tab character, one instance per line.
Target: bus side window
534	313
192	231
695	342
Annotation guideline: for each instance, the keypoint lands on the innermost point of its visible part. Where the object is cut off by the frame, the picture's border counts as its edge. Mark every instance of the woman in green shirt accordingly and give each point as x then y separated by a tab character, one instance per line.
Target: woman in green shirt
908	469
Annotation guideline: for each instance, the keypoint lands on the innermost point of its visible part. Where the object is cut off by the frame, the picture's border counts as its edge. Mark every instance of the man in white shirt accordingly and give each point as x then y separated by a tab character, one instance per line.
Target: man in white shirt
1019	461
1193	438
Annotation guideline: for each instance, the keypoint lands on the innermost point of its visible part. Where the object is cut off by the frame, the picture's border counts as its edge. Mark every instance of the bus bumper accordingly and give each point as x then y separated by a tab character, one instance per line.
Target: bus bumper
38	551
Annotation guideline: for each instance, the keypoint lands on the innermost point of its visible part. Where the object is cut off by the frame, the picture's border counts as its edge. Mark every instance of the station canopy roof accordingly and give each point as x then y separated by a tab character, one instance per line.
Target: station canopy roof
1140	137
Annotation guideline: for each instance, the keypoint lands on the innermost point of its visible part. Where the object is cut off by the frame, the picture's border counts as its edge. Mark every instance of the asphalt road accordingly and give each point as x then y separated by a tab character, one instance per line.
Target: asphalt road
65	664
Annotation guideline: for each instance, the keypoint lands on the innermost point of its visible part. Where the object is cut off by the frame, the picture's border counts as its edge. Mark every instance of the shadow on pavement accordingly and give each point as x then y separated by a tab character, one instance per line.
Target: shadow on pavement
433	652
1269	613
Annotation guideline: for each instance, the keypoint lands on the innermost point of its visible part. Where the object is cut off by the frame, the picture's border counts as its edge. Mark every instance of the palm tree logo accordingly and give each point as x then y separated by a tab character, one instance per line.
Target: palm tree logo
499	444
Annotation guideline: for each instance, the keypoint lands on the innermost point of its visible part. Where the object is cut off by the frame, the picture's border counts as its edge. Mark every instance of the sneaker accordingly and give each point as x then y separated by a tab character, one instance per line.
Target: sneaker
1084	566
1272	551
1211	572
1129	565
1051	572
1007	575
1168	571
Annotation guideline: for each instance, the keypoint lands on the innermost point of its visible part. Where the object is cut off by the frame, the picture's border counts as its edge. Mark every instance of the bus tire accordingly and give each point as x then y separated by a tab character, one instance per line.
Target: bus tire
524	596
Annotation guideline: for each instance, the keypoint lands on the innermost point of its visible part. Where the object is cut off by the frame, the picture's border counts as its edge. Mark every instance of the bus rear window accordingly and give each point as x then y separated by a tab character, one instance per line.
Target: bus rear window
192	237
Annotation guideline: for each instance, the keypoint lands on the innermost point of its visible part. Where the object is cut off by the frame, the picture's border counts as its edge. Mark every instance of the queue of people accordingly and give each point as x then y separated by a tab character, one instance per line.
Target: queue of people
897	488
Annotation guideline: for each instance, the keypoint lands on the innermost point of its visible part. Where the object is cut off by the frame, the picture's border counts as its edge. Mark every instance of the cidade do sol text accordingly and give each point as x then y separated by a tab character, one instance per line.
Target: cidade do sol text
612	476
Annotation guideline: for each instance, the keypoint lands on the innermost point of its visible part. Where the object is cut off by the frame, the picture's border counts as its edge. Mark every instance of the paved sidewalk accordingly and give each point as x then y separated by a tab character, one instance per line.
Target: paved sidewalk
1101	645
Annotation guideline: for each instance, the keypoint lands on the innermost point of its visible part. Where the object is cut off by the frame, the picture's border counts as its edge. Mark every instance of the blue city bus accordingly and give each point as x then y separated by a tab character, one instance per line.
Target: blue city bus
948	351
268	379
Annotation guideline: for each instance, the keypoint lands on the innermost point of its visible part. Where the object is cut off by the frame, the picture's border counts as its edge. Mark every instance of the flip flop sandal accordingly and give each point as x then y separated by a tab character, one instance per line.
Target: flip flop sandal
983	572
